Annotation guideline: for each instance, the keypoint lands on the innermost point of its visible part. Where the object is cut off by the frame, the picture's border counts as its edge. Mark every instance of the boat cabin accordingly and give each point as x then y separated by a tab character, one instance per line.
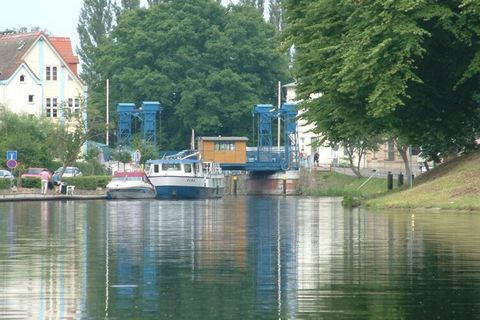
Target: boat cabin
181	167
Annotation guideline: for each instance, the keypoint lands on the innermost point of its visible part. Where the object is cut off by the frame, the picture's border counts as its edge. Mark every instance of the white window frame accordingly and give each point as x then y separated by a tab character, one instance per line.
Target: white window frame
51	73
51	107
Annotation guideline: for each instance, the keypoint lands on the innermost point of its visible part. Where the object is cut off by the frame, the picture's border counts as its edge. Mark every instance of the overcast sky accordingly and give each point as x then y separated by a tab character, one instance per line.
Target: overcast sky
60	17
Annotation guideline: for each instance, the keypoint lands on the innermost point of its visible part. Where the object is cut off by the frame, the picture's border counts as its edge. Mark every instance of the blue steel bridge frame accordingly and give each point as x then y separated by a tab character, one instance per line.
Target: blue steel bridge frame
147	114
266	160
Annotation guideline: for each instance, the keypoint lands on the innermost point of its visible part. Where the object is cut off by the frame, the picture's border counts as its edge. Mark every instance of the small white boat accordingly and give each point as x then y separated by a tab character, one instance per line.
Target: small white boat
130	185
187	177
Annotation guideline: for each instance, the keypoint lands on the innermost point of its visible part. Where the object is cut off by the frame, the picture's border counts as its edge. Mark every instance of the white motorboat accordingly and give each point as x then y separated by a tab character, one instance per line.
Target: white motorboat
130	185
185	178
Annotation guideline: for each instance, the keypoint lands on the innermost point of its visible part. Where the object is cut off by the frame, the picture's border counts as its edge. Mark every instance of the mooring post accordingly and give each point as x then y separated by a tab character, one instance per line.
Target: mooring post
285	185
235	185
389	181
400	180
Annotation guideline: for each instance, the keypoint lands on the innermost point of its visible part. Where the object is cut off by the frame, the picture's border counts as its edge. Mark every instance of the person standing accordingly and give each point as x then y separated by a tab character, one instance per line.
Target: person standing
44	177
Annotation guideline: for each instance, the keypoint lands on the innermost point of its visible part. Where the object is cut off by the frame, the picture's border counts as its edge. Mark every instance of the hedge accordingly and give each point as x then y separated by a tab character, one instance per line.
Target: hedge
5	183
31	183
88	182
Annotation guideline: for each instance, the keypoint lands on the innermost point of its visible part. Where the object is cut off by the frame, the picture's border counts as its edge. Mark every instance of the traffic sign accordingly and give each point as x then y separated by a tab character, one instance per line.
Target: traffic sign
11	163
11	155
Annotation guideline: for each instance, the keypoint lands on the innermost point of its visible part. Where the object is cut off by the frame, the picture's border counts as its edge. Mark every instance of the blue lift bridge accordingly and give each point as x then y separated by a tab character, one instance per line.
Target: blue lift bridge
146	114
266	159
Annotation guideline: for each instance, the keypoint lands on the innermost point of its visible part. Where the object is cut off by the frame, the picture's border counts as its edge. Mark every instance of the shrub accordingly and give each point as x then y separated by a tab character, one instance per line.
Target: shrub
31	183
88	182
5	183
350	201
91	168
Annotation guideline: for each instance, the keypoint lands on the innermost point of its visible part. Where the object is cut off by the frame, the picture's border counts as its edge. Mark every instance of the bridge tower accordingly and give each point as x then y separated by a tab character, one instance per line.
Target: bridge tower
266	112
147	114
149	124
124	131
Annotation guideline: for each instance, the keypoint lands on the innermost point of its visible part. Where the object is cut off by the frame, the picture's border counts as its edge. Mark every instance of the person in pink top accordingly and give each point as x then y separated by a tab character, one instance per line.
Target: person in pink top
44	177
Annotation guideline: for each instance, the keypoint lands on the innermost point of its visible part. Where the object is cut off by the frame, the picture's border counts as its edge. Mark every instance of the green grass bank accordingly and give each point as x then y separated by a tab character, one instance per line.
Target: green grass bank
452	185
333	184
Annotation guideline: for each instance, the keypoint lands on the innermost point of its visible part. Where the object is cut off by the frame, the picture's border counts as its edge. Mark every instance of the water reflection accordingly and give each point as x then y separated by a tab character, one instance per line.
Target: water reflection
239	258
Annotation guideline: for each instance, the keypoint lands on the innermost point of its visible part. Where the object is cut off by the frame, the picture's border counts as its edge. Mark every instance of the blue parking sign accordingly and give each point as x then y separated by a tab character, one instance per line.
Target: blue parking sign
11	155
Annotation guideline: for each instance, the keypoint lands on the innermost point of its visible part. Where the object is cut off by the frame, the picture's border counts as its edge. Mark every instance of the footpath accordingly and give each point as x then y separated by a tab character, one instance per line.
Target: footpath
23	194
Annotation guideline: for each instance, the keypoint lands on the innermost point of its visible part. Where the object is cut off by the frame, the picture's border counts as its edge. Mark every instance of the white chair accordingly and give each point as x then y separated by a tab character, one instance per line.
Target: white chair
70	190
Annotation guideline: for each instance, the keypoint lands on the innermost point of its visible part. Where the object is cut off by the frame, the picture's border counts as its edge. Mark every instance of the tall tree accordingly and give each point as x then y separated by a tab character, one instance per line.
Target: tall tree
94	25
259	4
277	15
130	4
407	65
205	64
33	149
70	136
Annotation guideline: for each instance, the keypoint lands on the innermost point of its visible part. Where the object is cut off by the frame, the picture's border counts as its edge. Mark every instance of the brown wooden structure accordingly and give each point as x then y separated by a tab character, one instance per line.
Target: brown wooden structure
224	150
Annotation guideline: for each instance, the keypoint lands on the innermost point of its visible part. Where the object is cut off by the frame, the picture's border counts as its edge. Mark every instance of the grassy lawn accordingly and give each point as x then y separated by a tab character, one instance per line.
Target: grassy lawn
453	185
334	184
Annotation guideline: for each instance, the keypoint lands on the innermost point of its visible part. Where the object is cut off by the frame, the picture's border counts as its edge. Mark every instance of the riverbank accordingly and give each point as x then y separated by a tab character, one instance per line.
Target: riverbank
334	184
452	185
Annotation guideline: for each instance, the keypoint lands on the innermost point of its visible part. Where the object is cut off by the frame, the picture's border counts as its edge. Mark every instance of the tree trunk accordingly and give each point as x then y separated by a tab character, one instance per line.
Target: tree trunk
403	150
427	167
355	169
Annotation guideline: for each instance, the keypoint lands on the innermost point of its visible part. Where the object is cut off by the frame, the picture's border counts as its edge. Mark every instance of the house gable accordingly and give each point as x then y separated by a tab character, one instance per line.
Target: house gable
38	75
22	92
12	49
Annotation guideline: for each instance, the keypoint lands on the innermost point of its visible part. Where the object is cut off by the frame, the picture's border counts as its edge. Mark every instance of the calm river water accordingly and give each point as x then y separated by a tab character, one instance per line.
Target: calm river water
235	258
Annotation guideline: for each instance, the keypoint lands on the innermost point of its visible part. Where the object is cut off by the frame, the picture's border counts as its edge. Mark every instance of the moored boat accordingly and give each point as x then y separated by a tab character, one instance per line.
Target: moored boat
130	185
183	178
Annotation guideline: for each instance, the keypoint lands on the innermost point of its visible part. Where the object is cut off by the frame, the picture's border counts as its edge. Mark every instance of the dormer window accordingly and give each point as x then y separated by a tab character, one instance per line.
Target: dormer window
22	78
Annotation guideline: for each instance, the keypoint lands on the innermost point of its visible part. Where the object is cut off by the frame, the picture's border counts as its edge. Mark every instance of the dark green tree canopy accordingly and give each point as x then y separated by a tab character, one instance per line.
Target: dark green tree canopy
206	64
410	68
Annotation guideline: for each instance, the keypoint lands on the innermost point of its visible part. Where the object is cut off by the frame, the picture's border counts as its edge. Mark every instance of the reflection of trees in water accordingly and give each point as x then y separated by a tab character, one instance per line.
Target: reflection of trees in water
243	257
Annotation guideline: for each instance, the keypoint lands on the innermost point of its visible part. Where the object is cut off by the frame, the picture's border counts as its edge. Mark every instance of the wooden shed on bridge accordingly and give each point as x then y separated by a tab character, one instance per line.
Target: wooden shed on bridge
224	150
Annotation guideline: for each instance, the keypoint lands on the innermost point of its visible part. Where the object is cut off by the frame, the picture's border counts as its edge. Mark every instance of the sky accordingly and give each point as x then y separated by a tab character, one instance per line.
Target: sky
59	17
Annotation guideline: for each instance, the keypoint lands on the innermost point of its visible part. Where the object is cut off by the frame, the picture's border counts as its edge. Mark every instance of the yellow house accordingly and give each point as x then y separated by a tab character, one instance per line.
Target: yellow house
38	75
228	150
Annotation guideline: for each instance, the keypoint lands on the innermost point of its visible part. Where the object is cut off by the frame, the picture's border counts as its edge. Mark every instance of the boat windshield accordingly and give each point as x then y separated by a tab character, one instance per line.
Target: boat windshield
170	166
127	179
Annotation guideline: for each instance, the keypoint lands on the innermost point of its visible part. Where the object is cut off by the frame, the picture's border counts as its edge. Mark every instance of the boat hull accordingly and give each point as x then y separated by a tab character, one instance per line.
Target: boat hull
185	192
168	187
131	193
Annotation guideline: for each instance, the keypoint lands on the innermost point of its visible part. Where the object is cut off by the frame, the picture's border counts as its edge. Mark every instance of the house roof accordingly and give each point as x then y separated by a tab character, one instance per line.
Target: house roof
290	85
12	49
63	45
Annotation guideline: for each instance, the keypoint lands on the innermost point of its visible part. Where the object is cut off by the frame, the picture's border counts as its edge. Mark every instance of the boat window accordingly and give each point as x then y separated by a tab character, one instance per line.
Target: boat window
187	167
134	178
155	168
170	166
